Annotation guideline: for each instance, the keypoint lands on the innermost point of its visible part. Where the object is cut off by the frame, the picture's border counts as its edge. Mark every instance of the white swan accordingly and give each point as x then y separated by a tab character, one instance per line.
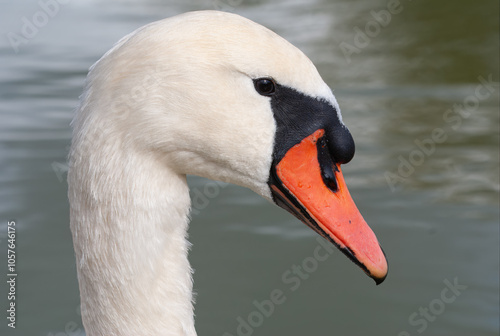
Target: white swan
210	94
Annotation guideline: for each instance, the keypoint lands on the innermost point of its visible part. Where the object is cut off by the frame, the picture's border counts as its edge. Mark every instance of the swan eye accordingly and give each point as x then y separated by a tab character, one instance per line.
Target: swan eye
264	86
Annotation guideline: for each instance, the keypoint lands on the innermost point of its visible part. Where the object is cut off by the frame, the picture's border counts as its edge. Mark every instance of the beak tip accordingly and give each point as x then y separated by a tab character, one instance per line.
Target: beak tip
380	277
379	280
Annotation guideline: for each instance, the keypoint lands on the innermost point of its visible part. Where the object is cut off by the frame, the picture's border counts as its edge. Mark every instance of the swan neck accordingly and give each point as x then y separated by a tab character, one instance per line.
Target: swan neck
129	217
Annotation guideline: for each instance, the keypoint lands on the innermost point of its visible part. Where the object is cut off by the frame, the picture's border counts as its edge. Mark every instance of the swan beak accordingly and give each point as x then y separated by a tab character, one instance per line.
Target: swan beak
307	183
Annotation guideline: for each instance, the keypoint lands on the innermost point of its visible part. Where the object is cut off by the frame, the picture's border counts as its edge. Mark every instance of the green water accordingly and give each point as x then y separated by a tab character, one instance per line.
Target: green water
425	174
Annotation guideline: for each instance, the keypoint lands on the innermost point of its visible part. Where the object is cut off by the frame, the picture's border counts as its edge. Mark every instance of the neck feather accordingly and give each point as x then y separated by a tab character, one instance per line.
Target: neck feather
129	217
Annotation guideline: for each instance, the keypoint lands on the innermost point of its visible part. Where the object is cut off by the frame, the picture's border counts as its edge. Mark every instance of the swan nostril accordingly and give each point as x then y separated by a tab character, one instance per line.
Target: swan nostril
327	165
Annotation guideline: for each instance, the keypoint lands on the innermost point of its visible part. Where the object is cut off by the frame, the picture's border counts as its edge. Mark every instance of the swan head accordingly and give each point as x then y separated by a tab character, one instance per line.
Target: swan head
216	95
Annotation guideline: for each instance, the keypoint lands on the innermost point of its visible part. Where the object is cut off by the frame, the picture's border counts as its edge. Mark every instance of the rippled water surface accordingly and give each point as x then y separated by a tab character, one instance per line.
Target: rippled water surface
425	175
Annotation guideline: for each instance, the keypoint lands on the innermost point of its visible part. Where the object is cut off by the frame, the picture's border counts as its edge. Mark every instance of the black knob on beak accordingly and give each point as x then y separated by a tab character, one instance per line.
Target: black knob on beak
340	143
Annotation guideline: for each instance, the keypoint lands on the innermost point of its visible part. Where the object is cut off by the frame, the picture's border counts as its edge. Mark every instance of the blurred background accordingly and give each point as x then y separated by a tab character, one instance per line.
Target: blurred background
417	82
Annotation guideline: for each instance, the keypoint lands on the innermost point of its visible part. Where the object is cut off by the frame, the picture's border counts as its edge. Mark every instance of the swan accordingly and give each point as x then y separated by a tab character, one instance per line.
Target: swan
204	93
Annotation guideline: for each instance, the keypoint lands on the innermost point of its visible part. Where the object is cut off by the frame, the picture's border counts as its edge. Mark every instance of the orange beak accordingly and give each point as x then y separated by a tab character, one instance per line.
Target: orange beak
309	185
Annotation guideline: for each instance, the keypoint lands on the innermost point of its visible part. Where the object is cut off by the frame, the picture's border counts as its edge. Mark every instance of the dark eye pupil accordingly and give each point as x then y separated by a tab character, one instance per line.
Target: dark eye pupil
264	86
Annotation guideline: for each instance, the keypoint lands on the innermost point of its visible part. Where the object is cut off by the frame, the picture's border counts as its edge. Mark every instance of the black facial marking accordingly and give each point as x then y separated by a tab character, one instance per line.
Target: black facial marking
298	115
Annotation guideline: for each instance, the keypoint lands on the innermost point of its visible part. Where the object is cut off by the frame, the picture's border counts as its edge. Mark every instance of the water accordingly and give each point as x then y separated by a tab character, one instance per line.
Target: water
436	217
